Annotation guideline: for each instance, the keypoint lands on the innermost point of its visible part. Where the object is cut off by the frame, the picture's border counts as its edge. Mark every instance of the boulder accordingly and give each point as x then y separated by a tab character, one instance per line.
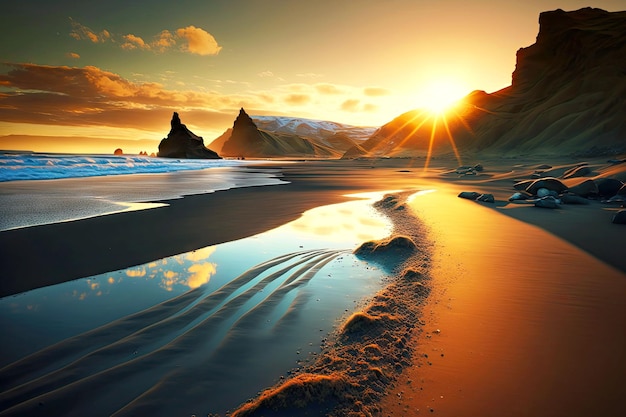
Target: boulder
470	195
585	188
579	171
522	185
549	183
520	196
486	198
620	217
543	192
118	151
183	143
608	187
547	202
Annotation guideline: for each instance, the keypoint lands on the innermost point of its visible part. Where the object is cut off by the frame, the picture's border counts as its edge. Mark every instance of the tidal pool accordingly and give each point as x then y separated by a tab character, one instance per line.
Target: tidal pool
194	333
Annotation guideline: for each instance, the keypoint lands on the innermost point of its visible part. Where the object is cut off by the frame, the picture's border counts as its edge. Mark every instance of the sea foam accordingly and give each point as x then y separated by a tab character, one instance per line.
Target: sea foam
35	166
37	189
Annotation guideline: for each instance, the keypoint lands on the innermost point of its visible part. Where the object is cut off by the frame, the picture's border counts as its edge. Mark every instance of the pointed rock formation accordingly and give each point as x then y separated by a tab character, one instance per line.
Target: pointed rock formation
183	143
245	139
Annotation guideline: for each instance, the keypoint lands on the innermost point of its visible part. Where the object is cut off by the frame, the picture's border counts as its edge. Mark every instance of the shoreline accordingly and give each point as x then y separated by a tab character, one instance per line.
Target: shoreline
493	245
87	247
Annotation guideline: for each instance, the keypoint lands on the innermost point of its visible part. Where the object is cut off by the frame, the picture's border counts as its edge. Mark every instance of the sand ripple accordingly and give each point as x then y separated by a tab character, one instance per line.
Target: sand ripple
187	350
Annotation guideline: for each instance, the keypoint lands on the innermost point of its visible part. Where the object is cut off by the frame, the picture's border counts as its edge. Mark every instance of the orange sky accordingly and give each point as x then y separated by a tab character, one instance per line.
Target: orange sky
118	70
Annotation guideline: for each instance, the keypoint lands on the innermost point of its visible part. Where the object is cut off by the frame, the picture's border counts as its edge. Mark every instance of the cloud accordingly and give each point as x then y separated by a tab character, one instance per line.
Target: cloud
265	74
328	89
72	55
354	105
90	96
198	41
375	91
309	75
189	39
370	108
163	41
297	99
350	105
134	42
82	32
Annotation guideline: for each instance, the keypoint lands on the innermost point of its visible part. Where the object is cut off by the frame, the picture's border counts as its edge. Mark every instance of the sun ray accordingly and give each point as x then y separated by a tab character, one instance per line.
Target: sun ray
430	144
451	139
398	130
415	130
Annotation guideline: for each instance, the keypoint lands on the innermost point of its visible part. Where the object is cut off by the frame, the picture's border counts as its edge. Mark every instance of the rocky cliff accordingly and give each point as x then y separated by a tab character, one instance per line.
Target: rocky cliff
183	143
566	97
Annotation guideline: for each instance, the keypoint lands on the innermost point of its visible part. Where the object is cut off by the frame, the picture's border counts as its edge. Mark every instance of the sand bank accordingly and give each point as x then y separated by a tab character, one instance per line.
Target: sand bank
520	322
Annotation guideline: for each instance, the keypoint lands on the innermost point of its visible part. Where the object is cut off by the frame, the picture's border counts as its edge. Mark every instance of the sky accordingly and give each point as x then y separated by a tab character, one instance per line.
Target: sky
118	69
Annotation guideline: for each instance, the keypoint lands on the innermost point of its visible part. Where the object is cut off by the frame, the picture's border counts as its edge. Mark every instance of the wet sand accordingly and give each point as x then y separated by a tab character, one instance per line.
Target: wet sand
520	322
75	249
526	304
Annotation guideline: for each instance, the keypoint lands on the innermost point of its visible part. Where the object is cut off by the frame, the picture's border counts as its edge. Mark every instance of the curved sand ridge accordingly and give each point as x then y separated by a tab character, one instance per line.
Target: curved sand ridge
135	363
370	350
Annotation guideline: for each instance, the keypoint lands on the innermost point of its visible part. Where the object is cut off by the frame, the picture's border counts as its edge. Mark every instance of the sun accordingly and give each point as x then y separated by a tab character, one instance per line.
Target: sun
439	95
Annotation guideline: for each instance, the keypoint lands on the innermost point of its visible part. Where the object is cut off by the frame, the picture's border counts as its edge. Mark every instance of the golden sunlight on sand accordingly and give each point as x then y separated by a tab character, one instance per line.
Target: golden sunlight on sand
520	322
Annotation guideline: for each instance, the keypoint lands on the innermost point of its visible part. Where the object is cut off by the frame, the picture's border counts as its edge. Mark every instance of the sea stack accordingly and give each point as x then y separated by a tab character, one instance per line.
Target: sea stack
183	143
245	140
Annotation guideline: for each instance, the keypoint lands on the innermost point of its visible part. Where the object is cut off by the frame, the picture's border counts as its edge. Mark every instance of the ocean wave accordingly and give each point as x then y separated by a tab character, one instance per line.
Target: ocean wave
15	166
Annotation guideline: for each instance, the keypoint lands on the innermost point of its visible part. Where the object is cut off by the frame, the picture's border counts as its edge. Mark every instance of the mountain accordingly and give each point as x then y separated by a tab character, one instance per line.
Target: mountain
273	136
566	97
183	143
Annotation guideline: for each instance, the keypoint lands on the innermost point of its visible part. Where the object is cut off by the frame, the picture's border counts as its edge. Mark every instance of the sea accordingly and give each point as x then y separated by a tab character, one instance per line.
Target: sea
43	188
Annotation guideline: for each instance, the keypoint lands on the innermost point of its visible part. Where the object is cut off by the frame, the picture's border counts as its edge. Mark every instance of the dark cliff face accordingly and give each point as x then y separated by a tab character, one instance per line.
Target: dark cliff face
245	140
569	46
566	97
183	143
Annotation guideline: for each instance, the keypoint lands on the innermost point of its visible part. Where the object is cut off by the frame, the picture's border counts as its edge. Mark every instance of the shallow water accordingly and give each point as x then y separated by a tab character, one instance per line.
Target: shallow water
196	333
30	203
17	166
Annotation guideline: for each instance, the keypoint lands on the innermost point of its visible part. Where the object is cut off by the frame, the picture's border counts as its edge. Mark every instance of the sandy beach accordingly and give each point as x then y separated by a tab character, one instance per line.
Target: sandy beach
525	314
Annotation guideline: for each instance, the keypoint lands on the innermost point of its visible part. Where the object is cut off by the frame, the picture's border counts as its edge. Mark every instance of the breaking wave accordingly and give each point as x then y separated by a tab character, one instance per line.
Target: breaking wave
15	166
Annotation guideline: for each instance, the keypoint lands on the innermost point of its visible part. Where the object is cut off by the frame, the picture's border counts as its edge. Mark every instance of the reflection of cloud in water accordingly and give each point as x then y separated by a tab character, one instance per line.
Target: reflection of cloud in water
349	222
200	254
136	273
170	278
200	274
181	270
